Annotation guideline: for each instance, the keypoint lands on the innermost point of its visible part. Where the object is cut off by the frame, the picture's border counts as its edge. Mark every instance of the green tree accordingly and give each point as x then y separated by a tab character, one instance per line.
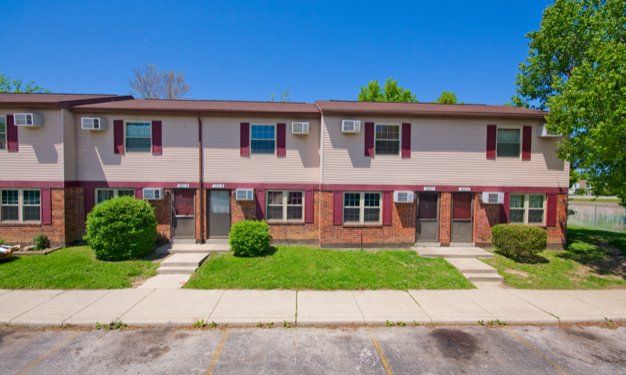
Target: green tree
447	97
390	93
576	68
19	86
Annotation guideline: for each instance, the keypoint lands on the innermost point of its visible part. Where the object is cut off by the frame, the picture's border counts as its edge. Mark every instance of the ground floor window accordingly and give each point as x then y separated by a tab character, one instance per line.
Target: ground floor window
527	208
106	194
21	206
285	206
361	208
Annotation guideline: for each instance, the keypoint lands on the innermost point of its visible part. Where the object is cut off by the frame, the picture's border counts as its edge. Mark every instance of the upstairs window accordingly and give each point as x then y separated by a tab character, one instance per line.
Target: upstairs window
527	209
3	133
285	206
20	206
387	140
138	137
106	194
263	139
361	208
508	144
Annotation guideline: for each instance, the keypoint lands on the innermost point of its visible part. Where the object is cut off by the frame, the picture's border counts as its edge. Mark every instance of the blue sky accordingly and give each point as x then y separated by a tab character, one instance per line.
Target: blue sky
250	50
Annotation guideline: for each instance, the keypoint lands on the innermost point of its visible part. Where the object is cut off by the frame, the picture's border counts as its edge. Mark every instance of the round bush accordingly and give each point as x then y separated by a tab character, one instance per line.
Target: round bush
121	228
516	240
41	241
250	238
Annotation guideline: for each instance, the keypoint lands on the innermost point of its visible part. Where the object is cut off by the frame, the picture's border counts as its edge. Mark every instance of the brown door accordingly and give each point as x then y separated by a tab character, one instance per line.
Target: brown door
183	215
428	217
219	213
462	217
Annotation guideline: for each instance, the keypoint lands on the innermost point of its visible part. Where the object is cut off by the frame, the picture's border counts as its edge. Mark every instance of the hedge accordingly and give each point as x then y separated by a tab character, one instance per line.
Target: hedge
250	238
517	240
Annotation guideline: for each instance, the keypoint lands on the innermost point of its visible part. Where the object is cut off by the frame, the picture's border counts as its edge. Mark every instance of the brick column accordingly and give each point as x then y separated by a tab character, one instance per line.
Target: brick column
445	206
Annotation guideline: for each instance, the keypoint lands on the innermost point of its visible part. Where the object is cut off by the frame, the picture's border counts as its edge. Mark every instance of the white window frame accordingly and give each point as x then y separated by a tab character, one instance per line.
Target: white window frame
137	122
115	192
399	139
275	141
526	209
20	207
521	135
284	205
362	208
4	117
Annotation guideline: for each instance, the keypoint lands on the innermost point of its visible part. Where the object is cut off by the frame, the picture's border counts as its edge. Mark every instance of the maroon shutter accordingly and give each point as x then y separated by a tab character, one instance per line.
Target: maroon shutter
369	139
526	142
337	208
551	215
46	207
90	199
492	133
260	204
505	208
406	141
12	145
118	137
387	207
309	207
157	138
281	140
244	139
139	193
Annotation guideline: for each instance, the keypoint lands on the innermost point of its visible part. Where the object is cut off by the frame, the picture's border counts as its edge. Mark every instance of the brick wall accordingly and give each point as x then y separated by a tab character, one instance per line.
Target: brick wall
401	232
281	233
445	222
23	233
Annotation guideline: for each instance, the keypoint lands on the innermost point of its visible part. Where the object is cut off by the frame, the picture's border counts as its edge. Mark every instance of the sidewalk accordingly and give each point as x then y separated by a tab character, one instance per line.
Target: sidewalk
185	306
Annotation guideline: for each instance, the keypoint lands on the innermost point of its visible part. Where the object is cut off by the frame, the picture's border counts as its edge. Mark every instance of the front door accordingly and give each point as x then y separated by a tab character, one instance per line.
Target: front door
219	213
462	217
183	215
427	217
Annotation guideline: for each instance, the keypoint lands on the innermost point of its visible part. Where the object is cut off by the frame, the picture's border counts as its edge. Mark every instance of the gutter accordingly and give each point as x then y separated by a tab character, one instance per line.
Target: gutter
201	181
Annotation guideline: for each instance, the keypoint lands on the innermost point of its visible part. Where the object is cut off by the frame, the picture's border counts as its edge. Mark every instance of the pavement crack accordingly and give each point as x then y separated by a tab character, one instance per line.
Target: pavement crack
218	352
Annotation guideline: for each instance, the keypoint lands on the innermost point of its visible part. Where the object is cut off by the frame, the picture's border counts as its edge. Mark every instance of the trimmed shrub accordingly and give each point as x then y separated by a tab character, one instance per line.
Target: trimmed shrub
519	241
41	241
249	238
121	228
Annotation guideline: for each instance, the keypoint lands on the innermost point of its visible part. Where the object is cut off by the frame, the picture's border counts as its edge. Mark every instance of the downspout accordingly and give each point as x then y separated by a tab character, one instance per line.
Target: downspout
201	181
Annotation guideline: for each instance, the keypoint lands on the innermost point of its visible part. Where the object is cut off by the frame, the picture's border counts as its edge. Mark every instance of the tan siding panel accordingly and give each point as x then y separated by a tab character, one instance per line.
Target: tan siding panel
40	156
223	162
443	152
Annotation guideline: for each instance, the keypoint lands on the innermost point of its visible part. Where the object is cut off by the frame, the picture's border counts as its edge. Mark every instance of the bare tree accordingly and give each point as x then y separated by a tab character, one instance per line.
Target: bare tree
150	83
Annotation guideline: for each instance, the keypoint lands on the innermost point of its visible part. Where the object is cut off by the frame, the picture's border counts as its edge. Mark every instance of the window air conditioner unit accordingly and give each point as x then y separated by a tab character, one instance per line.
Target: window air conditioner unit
91	123
299	128
244	194
403	196
350	126
152	194
492	197
542	132
28	120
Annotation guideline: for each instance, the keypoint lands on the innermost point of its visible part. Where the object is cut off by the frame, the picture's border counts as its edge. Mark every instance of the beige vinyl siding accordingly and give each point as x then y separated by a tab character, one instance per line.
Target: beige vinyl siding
40	155
223	163
443	152
69	145
96	160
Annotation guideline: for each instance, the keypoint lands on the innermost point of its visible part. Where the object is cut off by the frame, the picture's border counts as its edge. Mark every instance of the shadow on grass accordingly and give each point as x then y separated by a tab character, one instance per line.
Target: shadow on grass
602	251
527	259
269	252
8	260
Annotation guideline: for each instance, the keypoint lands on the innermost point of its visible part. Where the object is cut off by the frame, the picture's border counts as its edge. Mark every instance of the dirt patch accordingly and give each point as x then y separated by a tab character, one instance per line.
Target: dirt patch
454	343
516	272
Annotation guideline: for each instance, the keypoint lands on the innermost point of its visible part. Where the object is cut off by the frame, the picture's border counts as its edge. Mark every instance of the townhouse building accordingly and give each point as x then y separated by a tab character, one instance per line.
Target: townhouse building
333	173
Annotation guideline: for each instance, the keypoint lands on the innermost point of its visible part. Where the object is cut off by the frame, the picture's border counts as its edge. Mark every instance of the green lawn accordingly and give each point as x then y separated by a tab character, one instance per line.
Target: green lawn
71	268
593	259
301	267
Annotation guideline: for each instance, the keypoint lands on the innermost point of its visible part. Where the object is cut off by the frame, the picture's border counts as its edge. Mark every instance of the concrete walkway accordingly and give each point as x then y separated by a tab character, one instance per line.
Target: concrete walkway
181	261
185	306
465	259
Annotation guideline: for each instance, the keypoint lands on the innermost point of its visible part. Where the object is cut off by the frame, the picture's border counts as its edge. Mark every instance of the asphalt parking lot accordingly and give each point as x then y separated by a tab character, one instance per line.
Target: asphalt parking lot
376	350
